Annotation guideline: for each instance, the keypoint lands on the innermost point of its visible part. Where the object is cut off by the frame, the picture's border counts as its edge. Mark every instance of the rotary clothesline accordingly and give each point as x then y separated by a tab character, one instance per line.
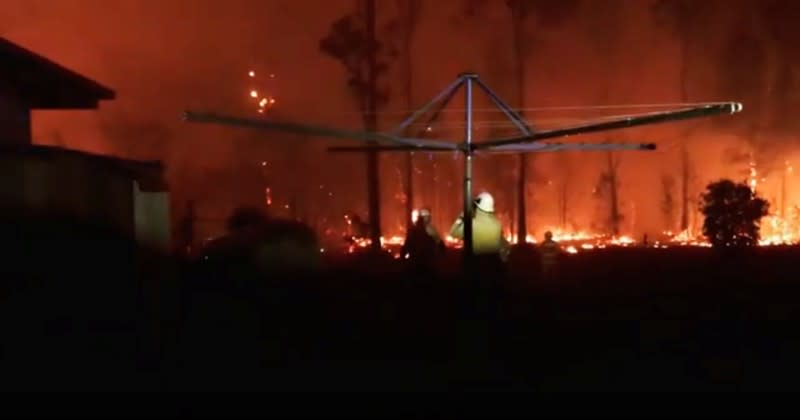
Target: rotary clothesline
551	108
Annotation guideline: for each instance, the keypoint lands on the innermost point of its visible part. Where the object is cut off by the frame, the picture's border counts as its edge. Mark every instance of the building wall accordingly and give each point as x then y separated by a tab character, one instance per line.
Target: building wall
15	121
152	217
75	185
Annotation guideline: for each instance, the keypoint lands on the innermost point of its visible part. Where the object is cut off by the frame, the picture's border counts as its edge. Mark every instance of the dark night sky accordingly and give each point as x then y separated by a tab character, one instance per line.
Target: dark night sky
164	56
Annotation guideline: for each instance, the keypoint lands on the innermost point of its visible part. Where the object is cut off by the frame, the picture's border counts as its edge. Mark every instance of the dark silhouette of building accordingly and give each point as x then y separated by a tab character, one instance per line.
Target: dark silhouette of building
127	196
29	82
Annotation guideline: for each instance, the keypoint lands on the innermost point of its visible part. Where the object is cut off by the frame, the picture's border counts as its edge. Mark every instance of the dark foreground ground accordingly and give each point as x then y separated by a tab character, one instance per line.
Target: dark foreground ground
79	312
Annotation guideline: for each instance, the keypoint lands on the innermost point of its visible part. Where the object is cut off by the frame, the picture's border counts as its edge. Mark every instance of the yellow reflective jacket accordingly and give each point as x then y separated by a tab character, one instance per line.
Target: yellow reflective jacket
487	234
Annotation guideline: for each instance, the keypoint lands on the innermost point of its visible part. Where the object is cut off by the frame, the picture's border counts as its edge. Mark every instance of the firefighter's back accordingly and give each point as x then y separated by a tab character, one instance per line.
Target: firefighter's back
487	234
549	250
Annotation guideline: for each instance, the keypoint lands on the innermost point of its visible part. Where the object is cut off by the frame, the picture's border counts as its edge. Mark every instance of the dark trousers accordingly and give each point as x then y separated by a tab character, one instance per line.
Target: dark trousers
486	277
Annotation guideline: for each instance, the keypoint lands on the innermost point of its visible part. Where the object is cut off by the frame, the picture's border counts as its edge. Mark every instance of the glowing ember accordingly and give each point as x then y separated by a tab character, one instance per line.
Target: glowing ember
263	102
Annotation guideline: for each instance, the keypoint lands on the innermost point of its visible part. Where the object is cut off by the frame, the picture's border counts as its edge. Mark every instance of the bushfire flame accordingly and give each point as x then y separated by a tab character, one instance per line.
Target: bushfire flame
781	227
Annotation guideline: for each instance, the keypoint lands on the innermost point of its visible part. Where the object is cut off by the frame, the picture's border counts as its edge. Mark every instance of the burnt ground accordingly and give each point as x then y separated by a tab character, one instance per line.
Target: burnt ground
80	313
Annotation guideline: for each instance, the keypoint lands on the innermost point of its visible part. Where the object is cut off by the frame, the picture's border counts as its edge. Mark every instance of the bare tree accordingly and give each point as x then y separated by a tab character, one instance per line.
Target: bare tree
410	12
668	201
614	216
352	41
564	191
684	19
603	29
519	11
606	192
543	14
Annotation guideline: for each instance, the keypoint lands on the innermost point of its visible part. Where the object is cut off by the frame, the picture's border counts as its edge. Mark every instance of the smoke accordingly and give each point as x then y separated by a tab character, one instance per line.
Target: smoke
736	156
162	59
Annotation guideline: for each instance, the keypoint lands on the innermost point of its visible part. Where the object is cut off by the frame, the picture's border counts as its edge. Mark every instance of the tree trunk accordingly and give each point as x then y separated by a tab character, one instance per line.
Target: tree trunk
409	23
562	206
685	165
522	222
371	125
563	190
684	187
522	213
613	194
783	193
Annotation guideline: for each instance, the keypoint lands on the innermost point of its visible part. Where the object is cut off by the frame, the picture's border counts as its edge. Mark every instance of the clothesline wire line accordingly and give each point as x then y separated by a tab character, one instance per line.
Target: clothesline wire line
550	108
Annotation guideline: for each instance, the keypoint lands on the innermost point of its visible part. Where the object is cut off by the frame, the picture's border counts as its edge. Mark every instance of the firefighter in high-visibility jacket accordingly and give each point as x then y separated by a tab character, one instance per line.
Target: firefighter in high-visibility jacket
487	231
491	250
549	251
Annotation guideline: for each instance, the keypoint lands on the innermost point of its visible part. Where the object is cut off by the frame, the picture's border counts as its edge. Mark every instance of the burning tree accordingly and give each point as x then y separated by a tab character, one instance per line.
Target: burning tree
733	212
352	41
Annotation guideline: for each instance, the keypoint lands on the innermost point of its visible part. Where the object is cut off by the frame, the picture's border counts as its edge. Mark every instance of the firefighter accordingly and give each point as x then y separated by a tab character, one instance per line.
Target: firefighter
550	251
491	250
423	243
487	231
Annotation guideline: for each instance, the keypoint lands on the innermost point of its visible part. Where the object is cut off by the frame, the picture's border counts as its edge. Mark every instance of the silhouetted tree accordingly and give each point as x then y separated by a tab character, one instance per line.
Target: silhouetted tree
564	190
606	191
352	41
603	28
684	18
668	201
732	214
519	11
612	183
543	14
410	12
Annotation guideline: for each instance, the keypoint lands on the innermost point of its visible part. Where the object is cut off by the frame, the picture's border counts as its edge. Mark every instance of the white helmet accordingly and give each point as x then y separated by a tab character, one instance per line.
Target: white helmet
485	202
424	214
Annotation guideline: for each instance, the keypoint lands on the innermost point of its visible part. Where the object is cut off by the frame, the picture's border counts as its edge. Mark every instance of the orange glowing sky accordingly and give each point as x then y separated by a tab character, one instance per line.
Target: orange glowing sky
164	56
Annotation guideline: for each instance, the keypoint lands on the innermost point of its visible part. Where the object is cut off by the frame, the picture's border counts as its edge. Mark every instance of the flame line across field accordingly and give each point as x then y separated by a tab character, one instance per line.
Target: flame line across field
575	242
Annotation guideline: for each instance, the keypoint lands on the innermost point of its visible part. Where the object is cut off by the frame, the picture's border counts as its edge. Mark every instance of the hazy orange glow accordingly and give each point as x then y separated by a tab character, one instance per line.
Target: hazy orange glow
212	55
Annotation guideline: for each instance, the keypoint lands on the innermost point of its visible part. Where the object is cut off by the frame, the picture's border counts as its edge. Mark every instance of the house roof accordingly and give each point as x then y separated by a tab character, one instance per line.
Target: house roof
43	84
149	174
